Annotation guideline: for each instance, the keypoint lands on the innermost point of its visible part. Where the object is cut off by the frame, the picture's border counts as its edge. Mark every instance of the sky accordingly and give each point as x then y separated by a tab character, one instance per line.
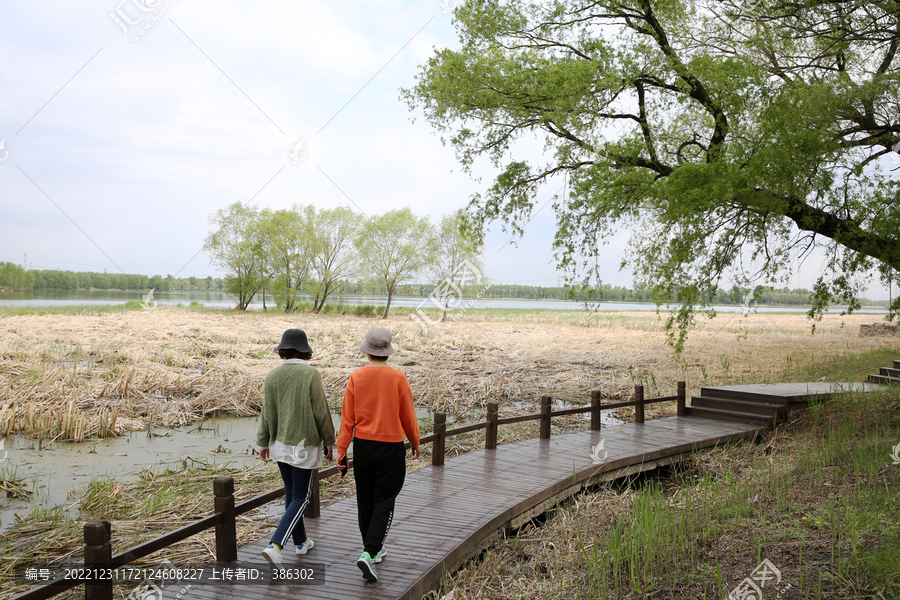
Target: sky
127	123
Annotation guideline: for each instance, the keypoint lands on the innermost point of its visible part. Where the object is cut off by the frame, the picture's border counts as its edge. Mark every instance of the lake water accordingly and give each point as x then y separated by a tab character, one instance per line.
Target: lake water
221	300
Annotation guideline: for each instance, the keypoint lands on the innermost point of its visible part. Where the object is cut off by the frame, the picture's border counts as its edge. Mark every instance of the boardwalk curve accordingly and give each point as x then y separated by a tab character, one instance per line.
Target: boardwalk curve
446	515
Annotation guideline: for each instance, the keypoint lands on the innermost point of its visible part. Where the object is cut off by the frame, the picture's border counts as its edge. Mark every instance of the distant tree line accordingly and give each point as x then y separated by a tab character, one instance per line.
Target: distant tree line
14	277
762	295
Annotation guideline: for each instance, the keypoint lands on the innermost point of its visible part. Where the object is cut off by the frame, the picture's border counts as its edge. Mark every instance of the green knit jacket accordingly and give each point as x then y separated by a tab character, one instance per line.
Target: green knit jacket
294	408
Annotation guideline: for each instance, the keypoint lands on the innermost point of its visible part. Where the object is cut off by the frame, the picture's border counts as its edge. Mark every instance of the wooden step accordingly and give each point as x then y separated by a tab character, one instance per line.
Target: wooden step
897	364
767	409
744	395
882	380
889	372
717	414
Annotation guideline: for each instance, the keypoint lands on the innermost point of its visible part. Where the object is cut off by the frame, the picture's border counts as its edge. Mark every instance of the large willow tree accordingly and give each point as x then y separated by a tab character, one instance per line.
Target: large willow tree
733	138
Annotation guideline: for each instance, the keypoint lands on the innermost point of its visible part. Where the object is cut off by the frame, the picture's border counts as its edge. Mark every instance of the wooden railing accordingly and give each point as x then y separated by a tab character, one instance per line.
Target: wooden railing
98	548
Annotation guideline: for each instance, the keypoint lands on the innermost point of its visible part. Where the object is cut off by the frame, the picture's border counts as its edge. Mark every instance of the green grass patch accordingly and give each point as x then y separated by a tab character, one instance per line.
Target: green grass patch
820	500
70	309
844	367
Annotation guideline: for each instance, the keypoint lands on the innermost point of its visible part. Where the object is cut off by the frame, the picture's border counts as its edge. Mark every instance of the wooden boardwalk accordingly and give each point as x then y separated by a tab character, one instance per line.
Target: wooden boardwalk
445	515
792	394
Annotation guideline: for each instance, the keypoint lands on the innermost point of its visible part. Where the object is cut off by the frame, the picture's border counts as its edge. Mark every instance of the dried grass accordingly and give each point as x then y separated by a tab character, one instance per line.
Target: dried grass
173	366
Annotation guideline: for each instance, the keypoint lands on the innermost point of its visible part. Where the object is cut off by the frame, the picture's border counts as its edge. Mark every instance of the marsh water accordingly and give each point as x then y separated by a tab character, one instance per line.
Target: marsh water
221	300
57	472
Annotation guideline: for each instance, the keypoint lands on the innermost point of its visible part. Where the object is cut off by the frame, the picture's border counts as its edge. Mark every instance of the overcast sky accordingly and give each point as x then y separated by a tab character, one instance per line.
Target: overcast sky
127	123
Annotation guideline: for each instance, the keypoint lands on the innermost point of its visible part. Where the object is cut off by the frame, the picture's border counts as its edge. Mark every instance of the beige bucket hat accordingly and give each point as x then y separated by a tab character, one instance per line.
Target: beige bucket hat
377	342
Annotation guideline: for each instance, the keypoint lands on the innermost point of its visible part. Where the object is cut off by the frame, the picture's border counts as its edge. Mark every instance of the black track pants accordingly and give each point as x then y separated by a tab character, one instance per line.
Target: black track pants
379	469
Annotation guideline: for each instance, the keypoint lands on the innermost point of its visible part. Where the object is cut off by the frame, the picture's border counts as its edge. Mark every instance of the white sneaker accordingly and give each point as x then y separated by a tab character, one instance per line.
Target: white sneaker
305	546
273	555
380	556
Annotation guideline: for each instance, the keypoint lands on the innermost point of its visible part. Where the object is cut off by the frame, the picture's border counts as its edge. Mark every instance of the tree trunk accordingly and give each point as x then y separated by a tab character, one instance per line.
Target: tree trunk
446	304
387	308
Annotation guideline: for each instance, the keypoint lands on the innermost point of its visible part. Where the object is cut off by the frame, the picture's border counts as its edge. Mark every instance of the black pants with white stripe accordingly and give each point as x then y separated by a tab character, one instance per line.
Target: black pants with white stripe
298	487
379	469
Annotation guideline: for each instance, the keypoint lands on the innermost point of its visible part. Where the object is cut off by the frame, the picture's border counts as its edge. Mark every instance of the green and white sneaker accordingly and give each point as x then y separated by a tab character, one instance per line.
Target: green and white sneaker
380	556
366	564
305	546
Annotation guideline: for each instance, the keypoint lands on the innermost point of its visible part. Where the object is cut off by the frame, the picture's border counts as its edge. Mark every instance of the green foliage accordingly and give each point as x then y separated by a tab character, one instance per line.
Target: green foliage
14	277
286	251
236	247
732	141
332	250
394	247
457	260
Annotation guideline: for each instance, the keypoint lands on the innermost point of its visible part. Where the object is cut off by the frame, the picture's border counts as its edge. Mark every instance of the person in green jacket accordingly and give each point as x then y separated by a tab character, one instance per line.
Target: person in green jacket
293	424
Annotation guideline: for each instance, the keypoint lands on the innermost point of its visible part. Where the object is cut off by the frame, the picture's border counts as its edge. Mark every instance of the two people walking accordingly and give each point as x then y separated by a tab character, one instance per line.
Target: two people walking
296	431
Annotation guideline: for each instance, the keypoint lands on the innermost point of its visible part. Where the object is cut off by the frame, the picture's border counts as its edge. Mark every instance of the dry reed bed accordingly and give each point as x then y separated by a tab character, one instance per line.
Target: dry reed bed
172	366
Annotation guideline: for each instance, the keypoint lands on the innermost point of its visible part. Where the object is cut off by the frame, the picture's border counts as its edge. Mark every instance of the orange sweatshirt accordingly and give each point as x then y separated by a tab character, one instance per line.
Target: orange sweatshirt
378	406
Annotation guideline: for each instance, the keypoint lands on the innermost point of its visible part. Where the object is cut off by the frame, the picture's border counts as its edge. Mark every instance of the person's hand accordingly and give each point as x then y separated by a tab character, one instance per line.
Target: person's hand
264	454
415	453
342	464
328	453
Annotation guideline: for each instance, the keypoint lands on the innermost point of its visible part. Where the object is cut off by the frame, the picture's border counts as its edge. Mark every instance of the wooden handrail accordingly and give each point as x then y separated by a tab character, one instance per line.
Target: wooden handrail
467	428
226	509
519	419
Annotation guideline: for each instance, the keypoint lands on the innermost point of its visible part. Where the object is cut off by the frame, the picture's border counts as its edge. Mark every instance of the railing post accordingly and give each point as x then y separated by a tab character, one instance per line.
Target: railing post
545	416
595	410
681	398
439	444
639	407
226	531
98	552
490	436
312	511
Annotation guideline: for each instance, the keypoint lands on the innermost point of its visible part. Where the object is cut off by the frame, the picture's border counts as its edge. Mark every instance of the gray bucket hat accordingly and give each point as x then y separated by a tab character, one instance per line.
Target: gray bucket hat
294	339
377	342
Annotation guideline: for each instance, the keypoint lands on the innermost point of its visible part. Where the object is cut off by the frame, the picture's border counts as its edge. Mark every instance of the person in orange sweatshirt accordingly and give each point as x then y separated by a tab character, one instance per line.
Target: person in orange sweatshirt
376	413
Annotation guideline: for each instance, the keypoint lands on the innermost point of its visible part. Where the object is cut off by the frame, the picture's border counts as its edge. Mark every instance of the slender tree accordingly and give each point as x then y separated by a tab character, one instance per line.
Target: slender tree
236	248
287	247
333	257
457	259
395	247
